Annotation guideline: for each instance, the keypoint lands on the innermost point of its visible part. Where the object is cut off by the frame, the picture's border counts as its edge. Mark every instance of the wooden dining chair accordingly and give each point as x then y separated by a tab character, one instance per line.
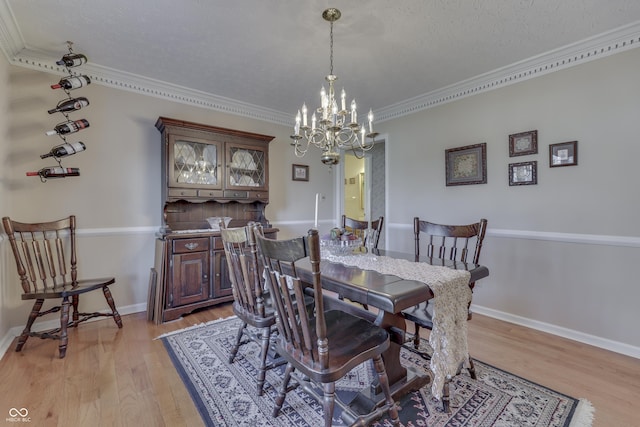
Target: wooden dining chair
250	302
46	273
358	228
461	243
319	349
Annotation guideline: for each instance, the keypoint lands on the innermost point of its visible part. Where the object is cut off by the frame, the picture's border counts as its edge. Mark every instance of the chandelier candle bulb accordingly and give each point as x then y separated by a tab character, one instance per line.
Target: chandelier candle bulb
370	116
315	221
354	115
304	115
343	96
297	126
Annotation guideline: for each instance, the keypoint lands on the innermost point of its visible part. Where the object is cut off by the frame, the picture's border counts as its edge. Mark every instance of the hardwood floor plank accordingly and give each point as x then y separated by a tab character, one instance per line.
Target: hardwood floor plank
124	377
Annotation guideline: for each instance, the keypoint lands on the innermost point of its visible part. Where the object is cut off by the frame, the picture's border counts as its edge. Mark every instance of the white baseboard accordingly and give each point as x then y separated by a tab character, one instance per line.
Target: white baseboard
55	322
571	334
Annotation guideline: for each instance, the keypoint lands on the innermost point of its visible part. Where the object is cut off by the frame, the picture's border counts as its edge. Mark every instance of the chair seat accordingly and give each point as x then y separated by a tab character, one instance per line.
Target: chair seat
349	337
421	314
255	319
70	289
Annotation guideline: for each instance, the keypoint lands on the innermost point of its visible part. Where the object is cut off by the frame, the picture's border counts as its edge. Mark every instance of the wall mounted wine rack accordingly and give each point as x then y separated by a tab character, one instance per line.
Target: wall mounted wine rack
68	127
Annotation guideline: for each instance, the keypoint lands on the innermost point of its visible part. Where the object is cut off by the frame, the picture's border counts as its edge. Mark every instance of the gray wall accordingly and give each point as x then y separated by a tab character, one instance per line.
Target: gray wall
562	253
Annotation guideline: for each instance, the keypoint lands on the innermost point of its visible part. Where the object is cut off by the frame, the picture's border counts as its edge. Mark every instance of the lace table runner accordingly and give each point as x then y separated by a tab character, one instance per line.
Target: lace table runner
451	303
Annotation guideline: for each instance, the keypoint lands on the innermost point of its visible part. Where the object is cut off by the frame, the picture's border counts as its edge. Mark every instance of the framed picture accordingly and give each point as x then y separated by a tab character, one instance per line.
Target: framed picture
466	165
523	143
525	173
563	154
300	173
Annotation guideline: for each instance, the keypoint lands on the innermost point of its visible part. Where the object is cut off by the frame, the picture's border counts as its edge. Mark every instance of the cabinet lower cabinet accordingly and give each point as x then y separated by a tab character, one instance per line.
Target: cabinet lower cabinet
195	273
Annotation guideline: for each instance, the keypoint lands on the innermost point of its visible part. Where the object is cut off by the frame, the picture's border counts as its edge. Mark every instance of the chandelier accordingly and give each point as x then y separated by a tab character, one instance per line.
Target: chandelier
334	128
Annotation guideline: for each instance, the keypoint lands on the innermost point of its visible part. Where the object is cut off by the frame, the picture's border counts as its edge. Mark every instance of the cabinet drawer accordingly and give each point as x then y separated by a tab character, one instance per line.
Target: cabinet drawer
259	195
199	244
181	192
235	194
209	193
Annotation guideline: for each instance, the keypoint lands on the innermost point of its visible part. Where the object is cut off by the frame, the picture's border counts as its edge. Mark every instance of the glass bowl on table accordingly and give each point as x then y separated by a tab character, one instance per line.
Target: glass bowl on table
338	247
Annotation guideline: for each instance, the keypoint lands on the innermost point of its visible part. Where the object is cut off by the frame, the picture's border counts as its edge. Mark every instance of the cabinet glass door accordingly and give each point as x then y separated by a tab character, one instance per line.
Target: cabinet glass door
247	167
194	162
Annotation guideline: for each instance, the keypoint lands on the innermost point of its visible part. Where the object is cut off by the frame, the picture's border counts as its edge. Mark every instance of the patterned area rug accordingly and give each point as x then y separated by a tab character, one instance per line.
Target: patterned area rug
225	394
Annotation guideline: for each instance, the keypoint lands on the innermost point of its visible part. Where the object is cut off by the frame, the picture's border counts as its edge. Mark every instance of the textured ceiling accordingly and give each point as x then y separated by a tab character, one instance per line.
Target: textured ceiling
275	54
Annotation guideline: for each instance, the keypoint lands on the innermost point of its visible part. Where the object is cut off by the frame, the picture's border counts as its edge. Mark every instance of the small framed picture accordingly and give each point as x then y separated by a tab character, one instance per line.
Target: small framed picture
523	143
525	173
300	173
563	154
466	165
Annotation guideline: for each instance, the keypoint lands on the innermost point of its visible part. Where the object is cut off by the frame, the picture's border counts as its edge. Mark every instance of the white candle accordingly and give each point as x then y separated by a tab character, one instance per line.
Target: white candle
304	115
343	95
315	222
369	204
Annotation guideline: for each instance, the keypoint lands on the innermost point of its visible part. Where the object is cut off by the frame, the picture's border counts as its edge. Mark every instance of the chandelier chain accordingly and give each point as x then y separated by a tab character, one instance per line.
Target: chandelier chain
331	50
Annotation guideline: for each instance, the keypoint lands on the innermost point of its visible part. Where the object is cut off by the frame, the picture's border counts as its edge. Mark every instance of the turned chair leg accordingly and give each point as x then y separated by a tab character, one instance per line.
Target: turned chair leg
235	348
264	348
416	336
64	323
378	364
112	306
328	402
446	407
283	390
27	329
74	303
472	369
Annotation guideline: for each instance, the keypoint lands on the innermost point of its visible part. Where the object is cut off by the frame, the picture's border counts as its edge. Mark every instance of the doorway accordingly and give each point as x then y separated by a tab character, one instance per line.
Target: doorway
360	175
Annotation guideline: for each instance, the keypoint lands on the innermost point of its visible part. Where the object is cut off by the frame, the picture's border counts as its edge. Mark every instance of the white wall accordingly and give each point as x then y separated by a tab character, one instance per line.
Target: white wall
545	271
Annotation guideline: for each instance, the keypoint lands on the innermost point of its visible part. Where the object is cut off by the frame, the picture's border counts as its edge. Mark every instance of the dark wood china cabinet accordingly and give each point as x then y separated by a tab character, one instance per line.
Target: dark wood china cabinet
207	171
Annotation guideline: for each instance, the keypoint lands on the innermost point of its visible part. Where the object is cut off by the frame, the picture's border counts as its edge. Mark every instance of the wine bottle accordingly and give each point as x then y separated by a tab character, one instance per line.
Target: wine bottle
70	104
55	172
72	82
68	127
64	150
72	60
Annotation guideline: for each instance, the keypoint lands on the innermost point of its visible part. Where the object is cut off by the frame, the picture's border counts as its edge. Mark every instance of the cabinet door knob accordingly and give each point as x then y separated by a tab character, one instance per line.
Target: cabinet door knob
191	246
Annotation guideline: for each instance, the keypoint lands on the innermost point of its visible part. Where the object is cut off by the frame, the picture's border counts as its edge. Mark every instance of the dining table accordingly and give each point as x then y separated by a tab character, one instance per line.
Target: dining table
389	294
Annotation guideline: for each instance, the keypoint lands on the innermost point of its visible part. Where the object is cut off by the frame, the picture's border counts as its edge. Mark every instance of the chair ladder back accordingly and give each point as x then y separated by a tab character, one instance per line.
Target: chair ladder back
358	228
450	241
294	324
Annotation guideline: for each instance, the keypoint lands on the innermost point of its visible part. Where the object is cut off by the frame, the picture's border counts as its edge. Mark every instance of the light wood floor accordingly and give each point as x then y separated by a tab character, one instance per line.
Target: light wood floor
124	377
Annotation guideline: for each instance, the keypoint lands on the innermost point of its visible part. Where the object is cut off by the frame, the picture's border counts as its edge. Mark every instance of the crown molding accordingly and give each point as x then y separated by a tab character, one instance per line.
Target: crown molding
600	46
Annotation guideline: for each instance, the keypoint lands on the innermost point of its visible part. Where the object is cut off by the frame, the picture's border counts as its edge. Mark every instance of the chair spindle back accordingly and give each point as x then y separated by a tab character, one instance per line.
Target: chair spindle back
241	254
358	228
304	335
452	242
39	250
